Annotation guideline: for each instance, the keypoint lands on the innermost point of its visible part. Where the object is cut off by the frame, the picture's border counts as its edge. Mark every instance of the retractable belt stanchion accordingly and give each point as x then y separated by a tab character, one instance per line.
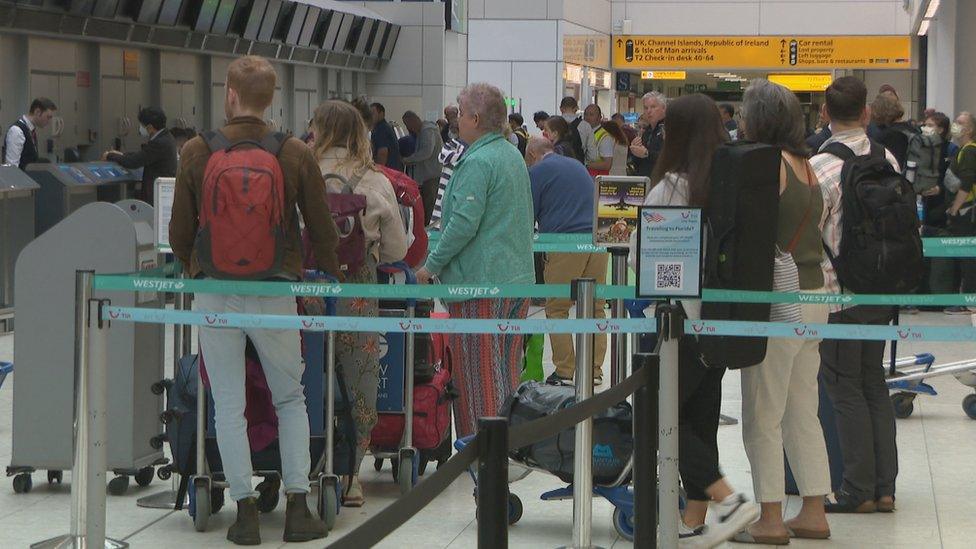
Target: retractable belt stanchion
670	327
583	293
90	426
645	453
618	342
492	483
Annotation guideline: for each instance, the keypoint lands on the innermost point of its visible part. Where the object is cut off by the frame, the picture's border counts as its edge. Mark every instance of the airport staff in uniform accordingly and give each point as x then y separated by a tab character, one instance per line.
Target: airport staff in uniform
20	144
156	157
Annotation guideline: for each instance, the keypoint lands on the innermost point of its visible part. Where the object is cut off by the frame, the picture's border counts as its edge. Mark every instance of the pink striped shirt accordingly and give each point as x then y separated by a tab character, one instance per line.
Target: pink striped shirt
828	169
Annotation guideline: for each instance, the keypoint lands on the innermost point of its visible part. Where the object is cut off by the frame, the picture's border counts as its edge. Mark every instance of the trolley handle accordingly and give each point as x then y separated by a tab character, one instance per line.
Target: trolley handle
635	307
322	276
399	267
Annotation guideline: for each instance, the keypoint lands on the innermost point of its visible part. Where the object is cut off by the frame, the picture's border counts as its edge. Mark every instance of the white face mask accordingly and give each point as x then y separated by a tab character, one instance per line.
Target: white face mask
956	130
143	131
928	130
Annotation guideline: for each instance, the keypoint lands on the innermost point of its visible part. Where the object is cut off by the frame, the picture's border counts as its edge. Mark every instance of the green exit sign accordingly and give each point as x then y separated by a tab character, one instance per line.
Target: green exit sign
511	101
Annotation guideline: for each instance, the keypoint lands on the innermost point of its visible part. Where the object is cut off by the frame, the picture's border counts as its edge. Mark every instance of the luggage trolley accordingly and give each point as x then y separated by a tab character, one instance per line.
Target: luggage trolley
206	493
405	458
910	382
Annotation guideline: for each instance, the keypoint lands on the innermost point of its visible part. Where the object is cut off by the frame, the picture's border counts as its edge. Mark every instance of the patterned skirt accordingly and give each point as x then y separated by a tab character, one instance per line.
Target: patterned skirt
487	366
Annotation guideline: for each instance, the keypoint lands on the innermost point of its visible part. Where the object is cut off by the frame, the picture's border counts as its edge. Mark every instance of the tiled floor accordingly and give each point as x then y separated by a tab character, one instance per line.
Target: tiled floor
936	489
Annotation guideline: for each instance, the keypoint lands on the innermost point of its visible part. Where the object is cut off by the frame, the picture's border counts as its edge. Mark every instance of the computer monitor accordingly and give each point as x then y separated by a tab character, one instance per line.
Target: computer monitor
105	8
170	12
225	11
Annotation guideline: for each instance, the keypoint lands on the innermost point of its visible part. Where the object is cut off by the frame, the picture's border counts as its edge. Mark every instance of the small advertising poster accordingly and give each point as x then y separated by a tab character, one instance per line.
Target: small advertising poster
163	194
618	199
669	252
389	394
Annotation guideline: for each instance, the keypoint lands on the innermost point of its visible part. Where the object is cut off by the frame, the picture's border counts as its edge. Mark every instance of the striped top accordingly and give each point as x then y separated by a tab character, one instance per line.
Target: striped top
450	154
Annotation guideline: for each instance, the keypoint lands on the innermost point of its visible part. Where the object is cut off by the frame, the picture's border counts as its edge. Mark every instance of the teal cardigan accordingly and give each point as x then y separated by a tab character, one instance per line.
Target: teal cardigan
487	218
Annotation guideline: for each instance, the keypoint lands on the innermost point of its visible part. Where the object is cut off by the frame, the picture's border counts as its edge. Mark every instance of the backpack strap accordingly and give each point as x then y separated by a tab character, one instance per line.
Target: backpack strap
216	140
877	150
839	150
274	142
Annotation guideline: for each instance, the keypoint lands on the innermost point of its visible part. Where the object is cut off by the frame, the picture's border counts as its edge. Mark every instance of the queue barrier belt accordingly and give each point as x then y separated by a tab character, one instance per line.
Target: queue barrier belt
536	326
137	282
379	324
394	515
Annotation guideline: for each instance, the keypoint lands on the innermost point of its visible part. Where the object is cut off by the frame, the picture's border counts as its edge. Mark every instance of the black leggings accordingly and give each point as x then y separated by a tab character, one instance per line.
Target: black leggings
700	403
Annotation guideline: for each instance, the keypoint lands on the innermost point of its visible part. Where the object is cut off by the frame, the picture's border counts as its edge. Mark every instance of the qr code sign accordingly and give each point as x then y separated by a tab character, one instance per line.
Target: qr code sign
669	276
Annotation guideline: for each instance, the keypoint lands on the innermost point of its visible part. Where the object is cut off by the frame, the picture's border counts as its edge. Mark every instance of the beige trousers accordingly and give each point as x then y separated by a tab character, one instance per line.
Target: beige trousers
779	411
562	268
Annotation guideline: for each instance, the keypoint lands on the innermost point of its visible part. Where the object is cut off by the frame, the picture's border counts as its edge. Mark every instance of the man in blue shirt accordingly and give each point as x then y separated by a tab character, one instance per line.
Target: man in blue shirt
562	196
386	146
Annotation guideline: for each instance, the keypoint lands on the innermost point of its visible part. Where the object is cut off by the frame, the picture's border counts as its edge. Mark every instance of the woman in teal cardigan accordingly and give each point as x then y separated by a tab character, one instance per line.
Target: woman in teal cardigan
486	239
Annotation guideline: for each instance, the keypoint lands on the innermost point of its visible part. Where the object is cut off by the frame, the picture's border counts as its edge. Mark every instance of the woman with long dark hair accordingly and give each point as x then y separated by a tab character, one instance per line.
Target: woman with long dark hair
681	178
558	132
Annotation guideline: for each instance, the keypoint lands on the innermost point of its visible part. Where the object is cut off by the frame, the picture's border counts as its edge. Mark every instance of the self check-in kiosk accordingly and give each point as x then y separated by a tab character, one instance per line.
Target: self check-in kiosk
65	188
106	238
17	195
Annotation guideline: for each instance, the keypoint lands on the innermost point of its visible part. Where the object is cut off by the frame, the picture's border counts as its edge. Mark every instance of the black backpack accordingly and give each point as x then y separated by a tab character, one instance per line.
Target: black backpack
577	139
880	248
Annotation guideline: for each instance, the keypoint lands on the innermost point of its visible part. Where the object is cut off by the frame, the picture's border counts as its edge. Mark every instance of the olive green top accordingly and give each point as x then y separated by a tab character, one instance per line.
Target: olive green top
802	203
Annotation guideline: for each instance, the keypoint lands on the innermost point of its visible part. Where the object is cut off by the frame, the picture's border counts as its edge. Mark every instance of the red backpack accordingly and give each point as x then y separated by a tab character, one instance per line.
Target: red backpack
242	232
412	210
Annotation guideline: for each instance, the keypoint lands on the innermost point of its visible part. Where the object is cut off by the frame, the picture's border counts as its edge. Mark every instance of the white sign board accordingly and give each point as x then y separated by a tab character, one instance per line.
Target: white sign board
164	190
669	252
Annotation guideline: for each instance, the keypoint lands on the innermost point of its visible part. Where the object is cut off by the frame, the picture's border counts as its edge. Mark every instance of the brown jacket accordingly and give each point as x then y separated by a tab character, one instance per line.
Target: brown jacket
304	187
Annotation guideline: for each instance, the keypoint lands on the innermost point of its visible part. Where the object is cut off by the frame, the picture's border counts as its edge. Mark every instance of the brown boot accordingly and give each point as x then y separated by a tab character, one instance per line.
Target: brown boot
246	531
300	523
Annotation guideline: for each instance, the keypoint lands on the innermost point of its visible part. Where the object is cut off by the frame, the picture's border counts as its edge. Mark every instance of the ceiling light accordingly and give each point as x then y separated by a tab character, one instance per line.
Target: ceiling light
932	9
923	29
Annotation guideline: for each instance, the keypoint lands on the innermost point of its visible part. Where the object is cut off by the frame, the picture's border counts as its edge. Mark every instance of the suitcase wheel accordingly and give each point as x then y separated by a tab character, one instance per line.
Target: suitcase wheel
118	485
23	483
269	492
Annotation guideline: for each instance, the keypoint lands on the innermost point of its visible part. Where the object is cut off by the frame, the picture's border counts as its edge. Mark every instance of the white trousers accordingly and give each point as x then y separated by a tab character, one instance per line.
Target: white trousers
779	412
280	352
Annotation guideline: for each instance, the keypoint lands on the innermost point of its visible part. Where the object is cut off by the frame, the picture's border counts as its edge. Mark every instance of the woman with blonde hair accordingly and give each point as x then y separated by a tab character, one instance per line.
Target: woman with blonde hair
345	158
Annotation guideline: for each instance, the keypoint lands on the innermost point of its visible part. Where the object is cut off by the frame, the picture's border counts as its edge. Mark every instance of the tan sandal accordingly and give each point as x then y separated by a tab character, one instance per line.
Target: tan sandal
745	537
804	533
353	496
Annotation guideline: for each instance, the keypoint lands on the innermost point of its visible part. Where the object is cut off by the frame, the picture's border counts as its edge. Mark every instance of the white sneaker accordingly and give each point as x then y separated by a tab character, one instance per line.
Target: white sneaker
690	537
734	513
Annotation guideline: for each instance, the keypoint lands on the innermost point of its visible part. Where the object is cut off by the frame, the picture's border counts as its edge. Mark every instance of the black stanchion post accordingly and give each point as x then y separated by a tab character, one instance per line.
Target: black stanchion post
492	483
645	453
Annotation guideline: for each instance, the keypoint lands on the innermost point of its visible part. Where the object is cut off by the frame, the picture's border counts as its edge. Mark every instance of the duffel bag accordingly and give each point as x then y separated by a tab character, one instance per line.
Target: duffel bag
613	441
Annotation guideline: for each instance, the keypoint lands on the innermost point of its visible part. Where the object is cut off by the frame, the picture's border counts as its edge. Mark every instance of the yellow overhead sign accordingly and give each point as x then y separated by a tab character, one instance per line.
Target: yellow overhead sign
664	75
762	52
800	82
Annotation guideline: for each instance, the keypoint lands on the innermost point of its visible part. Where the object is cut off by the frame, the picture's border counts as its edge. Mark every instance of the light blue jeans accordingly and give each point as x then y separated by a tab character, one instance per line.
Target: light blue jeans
280	352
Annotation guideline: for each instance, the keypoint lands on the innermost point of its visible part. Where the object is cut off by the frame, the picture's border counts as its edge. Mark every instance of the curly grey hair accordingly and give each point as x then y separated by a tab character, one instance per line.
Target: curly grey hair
488	103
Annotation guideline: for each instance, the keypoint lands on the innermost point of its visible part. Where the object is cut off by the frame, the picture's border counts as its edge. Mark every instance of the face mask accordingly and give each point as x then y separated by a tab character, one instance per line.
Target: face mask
956	130
928	130
143	131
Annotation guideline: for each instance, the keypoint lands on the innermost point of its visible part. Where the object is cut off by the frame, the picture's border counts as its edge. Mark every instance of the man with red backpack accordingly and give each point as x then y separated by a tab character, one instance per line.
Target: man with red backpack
234	218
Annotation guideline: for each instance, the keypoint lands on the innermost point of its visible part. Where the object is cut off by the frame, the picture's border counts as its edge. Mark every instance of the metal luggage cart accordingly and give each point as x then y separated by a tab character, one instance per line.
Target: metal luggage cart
5	369
405	458
619	492
206	495
910	382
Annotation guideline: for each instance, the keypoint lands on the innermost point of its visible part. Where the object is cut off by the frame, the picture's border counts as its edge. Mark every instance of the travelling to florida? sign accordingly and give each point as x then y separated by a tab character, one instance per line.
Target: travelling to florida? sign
669	252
